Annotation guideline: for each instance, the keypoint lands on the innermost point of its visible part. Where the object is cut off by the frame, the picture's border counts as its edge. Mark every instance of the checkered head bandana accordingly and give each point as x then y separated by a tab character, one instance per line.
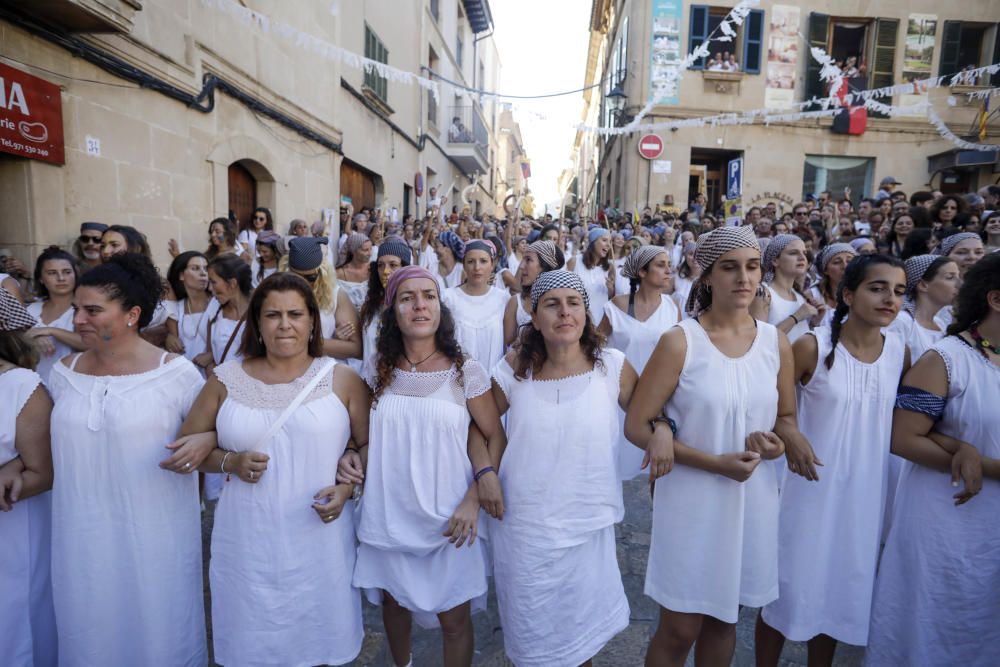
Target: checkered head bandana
557	279
829	252
915	268
546	251
950	242
711	247
639	259
13	316
772	252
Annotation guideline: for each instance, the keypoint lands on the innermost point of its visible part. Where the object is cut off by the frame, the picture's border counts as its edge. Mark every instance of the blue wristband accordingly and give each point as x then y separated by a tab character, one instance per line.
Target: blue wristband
483	472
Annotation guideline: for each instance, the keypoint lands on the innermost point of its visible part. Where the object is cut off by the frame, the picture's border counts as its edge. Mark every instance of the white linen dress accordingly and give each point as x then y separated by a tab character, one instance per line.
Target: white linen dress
356	292
27	620
682	289
418	473
64	321
222	329
636	339
126	534
715	540
595	281
829	531
478	323
559	589
280	577
781	309
936	594
192	328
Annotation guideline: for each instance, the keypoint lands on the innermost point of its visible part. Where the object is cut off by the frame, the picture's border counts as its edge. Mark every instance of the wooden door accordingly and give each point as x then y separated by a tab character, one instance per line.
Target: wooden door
242	194
358	184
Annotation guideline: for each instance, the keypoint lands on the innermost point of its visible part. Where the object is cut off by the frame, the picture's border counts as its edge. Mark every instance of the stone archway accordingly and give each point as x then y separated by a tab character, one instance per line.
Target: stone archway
252	159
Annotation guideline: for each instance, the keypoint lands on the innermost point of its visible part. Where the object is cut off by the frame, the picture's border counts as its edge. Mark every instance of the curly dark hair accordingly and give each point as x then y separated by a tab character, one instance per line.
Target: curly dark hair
854	275
971	307
531	352
252	344
389	346
130	278
944	199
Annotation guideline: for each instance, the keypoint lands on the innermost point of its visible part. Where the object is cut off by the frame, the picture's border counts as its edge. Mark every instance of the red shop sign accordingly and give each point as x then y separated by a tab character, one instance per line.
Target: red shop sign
30	116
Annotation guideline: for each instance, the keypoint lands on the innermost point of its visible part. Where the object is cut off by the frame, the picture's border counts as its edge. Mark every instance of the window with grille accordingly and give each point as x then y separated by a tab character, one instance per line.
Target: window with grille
375	50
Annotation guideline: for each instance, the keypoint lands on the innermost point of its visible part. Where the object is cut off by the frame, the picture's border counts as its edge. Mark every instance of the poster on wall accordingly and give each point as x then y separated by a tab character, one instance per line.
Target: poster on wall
782	57
919	52
666	53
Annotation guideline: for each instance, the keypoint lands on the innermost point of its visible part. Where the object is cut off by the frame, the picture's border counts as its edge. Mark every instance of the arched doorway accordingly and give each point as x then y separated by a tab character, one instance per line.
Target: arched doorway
242	194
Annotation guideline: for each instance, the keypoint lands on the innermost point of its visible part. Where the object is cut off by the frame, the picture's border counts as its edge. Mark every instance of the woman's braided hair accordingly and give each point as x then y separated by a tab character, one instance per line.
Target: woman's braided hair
854	275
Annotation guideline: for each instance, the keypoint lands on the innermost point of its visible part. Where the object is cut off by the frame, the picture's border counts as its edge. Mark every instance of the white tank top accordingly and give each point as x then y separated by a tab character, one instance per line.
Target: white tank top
782	309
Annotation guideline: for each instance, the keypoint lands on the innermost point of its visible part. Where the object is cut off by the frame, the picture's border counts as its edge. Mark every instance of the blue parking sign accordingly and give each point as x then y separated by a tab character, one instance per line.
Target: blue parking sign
734	179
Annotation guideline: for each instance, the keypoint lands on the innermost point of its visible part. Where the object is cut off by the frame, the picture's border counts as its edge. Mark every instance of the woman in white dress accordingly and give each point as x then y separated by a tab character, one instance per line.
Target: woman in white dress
633	324
538	257
831	262
782	303
339	322
394	256
936	599
27	621
260	220
446	260
283	416
724	381
187	324
419	553
355	269
268	255
230	279
558	585
126	520
687	272
932	284
477	306
830	520
595	266
53	335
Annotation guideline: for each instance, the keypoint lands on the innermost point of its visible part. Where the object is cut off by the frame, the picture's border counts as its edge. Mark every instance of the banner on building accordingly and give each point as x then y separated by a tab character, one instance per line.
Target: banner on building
666	53
782	57
919	52
30	116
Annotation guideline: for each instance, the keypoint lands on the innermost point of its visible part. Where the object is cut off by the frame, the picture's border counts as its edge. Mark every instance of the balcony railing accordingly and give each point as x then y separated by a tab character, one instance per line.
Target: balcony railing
466	126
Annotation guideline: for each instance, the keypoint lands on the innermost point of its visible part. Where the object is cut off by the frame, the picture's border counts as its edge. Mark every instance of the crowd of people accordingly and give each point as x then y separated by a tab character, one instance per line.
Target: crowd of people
406	410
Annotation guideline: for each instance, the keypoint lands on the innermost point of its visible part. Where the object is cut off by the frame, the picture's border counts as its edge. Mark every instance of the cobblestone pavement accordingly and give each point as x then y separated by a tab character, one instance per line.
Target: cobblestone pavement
626	650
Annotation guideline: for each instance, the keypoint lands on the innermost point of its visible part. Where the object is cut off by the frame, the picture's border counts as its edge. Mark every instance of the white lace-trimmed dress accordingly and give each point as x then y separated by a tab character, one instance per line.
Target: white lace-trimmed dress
829	531
478	322
280	577
126	534
27	620
418	473
636	339
64	321
936	594
715	540
558	585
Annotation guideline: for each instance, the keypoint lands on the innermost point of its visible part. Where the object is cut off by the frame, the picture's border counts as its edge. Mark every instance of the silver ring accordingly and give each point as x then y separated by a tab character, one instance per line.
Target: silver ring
187	466
251	475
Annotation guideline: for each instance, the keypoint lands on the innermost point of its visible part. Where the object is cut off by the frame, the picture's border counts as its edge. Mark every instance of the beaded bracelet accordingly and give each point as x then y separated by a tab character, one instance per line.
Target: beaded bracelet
483	472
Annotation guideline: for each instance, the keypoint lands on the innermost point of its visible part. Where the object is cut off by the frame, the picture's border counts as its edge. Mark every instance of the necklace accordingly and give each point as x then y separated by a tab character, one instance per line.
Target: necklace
413	365
983	344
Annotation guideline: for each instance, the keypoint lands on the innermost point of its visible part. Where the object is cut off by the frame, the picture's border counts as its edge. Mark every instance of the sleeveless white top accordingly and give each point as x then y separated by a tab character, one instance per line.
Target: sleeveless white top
192	328
118	517
637	340
781	309
356	292
715	540
478	322
936	599
222	329
682	289
830	530
28	636
917	337
595	281
266	533
65	322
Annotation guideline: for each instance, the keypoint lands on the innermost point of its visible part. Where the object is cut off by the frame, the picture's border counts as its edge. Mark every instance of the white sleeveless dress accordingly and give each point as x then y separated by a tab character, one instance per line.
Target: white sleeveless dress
356	292
222	329
478	323
917	337
418	473
936	594
637	340
192	328
126	534
595	281
829	531
280	577
522	317
715	540
27	620
64	321
782	309
682	289
558	585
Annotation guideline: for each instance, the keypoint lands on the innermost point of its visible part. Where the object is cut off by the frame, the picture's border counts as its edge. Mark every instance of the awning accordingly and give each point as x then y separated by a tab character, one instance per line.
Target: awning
957	159
480	17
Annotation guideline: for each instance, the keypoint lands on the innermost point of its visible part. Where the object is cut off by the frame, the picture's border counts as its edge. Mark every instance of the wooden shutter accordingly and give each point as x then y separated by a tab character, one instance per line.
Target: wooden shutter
819	28
951	42
753	38
699	32
995	79
884	58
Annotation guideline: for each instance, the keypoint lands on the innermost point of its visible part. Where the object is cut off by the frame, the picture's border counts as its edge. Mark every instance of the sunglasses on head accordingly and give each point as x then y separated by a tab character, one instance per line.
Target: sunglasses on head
89	239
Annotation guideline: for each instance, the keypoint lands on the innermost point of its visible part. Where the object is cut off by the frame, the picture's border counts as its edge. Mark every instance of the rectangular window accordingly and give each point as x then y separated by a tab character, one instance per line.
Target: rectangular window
432	106
725	55
966	45
375	50
834	173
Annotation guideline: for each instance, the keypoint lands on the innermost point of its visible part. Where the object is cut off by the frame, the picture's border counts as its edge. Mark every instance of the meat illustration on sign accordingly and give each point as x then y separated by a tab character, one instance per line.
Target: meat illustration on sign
36	132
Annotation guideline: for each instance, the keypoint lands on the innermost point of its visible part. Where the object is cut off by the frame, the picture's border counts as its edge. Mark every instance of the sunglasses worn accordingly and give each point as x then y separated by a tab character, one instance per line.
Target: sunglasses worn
96	240
310	277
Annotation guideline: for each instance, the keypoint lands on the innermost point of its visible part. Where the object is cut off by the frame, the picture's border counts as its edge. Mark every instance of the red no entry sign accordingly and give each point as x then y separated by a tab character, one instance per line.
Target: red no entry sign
650	146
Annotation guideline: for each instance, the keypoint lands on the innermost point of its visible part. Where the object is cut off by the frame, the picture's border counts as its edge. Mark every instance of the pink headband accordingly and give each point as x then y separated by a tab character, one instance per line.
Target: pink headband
406	273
